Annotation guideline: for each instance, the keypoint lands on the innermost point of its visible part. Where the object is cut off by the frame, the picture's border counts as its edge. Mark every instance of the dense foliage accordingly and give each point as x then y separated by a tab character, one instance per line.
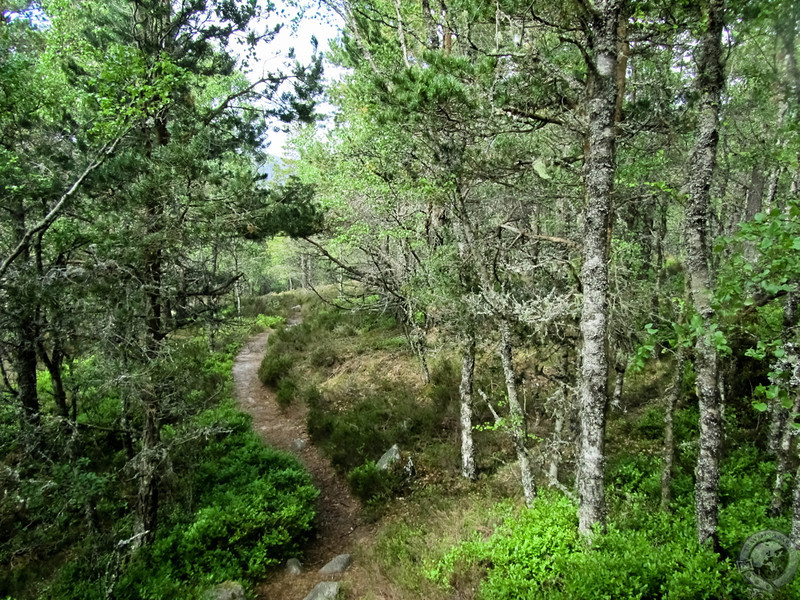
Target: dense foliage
132	136
559	248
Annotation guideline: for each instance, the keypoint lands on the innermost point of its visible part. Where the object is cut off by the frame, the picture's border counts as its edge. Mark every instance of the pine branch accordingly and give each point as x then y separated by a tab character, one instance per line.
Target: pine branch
54	213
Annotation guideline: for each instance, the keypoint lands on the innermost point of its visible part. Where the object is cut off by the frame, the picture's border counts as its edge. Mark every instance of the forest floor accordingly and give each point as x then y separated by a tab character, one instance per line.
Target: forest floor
338	512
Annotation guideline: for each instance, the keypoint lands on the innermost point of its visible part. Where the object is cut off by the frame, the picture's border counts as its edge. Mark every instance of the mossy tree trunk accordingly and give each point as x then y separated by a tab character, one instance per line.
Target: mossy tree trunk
710	82
598	176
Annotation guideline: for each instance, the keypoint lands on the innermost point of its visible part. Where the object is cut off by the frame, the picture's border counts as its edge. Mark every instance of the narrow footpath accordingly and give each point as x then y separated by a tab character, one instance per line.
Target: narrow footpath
338	512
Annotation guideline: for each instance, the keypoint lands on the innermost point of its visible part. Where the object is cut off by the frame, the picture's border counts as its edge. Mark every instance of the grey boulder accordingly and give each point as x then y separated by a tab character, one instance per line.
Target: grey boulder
337	565
228	590
294	566
391	456
327	590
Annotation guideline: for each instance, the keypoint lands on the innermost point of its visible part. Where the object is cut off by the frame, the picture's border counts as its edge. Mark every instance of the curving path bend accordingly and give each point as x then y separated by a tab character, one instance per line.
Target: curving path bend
338	512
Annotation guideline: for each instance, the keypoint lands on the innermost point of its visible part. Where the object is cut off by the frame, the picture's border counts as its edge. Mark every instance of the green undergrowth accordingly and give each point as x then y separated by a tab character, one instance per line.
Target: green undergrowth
467	547
450	538
464	546
253	507
230	508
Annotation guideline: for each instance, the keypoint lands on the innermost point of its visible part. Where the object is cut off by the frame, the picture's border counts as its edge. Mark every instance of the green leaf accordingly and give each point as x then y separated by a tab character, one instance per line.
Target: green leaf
760	406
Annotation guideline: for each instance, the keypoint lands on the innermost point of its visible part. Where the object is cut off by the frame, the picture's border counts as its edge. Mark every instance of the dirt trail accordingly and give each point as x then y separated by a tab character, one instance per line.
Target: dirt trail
338	513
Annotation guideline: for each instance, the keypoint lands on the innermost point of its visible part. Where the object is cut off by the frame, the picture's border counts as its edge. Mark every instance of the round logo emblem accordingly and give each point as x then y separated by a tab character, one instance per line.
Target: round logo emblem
768	560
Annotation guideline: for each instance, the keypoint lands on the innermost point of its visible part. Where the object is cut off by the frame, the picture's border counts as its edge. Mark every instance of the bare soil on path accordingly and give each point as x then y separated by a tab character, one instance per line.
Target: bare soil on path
338	512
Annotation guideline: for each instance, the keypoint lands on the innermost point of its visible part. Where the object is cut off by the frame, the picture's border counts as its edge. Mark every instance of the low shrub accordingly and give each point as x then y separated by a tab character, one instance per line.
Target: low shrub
629	565
371	484
287	389
650	425
231	508
322	356
537	554
265	322
254	509
521	558
366	430
273	367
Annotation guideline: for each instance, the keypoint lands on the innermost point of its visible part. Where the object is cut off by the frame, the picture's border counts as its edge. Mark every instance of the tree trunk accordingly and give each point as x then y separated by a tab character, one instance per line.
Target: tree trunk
796	510
465	395
702	162
616	399
516	414
53	364
782	422
673	397
401	34
25	369
782	463
148	475
563	413
447	34
598	179
150	459
555	456
755	194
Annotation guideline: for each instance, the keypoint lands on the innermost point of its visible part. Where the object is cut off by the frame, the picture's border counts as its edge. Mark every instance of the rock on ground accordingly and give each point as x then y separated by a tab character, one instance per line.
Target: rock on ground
337	565
327	590
228	590
391	456
294	566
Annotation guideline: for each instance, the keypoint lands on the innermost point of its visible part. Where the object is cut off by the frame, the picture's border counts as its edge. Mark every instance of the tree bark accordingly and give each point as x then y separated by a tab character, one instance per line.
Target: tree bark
53	362
599	171
781	430
149	458
25	369
796	510
465	394
710	81
673	397
148	475
23	309
782	463
755	193
401	34
516	414
619	384
447	34
555	457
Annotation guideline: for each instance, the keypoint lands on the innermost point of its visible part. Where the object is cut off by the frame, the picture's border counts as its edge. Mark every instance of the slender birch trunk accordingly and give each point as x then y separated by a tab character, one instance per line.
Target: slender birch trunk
516	414
796	510
599	171
782	464
555	456
710	82
616	400
673	397
781	427
401	33
465	393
